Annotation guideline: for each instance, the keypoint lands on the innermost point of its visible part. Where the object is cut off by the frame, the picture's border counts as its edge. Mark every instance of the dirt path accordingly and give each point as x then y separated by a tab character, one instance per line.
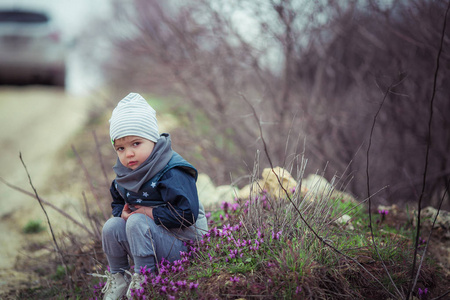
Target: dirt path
37	122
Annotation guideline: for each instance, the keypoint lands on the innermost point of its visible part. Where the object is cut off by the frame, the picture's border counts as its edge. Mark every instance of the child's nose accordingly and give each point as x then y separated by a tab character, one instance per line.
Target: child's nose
130	153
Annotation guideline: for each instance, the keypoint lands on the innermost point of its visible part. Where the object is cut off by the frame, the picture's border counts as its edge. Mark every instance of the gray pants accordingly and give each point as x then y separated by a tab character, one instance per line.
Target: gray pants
142	240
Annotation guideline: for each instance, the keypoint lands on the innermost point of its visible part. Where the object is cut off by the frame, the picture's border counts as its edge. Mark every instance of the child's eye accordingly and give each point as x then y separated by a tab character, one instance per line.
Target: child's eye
136	143
119	149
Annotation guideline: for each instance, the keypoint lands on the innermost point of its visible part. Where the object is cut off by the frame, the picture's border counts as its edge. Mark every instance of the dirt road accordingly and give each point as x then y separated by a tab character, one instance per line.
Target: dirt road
37	122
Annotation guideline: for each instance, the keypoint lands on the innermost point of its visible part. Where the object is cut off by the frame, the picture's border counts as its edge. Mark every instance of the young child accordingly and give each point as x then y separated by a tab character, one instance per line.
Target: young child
155	202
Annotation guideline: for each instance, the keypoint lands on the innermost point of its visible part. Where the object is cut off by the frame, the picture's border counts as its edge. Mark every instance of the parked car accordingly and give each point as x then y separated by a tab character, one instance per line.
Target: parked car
31	48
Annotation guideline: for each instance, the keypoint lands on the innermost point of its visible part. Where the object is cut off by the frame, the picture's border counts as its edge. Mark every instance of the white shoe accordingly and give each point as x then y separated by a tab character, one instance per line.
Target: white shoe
115	287
135	284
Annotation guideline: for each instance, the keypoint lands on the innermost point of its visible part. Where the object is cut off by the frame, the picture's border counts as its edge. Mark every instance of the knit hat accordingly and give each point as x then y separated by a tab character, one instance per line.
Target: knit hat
133	116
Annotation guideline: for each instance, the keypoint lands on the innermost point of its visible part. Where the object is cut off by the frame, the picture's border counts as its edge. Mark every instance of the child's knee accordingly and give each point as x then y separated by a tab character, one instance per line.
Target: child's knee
113	225
139	223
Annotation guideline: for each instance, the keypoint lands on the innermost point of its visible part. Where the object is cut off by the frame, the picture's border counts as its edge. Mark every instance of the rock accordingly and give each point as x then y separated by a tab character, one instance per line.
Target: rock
250	189
226	193
206	190
270	182
317	185
345	221
344	197
211	196
442	222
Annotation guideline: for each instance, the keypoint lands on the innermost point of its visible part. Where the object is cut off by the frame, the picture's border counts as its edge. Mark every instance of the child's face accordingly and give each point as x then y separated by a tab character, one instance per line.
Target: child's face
133	150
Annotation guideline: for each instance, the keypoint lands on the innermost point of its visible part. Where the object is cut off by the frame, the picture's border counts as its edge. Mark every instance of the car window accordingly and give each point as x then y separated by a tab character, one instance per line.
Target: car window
22	17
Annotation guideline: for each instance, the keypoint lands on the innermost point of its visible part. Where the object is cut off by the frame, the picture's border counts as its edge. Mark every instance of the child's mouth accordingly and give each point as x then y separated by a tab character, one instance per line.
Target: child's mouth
132	163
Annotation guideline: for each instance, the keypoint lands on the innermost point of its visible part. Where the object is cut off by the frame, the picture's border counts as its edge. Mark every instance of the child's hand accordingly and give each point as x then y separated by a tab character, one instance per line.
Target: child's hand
126	212
148	211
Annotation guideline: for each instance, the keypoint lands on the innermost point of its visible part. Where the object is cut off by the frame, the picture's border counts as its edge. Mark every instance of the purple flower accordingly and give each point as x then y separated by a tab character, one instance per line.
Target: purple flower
235	207
193	285
163	289
234	279
156	280
140	292
164	262
298	290
276	236
144	270
422	292
224	206
181	284
383	212
260	234
144	281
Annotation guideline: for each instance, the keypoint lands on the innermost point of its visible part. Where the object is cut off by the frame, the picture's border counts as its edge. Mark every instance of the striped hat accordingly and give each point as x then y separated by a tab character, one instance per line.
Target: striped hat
133	116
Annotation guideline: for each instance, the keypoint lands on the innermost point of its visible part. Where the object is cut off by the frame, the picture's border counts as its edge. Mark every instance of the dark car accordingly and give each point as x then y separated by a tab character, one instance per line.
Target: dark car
31	48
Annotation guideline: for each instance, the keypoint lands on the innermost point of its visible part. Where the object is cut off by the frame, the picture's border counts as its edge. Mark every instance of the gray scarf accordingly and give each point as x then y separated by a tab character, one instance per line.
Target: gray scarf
132	180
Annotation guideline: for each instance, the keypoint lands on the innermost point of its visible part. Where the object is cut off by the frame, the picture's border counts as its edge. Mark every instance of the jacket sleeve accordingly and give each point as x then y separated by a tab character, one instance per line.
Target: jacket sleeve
118	202
179	191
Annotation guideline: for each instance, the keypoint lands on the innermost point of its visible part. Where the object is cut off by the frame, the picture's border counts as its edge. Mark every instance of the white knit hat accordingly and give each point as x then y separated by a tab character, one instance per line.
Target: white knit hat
133	116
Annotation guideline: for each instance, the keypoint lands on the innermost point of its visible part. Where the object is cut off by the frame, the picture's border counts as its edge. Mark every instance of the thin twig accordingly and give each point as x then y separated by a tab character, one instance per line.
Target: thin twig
91	220
58	250
430	119
89	180
442	296
100	158
369	197
48	204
